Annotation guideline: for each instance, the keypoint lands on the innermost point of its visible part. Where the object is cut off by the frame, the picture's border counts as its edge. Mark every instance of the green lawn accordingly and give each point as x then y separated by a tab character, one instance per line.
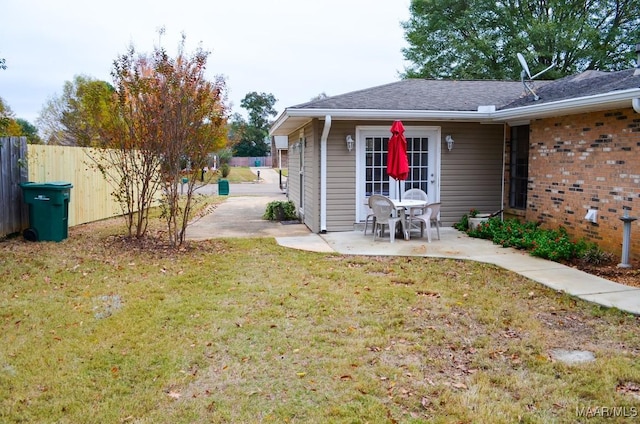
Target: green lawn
240	174
96	329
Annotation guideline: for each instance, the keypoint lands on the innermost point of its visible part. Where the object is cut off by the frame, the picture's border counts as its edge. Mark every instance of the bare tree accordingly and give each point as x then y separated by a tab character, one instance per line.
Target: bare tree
166	112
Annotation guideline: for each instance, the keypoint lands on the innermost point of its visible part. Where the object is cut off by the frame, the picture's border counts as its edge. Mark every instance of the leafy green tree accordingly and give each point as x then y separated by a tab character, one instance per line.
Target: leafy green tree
30	131
480	39
6	115
253	142
8	124
252	137
260	107
11	126
48	122
75	118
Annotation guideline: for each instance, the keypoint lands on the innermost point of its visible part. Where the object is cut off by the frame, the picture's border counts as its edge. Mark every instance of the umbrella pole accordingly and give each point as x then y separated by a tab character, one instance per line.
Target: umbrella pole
399	192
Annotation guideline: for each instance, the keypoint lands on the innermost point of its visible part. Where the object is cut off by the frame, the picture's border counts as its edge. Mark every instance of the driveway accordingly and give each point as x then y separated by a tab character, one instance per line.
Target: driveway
240	215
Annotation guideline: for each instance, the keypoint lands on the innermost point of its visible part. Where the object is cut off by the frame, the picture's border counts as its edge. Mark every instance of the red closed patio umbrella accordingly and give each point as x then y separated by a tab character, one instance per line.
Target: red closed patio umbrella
397	162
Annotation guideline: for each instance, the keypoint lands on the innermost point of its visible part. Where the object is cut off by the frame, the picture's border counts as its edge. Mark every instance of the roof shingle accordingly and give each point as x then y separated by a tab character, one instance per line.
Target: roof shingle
424	94
588	83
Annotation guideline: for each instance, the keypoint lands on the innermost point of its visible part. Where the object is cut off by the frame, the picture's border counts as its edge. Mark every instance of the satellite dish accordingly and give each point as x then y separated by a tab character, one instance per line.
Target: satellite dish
523	63
528	84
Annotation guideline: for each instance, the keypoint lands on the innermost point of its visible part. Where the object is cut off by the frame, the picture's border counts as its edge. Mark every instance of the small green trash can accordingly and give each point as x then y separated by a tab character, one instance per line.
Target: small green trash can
223	187
48	210
257	163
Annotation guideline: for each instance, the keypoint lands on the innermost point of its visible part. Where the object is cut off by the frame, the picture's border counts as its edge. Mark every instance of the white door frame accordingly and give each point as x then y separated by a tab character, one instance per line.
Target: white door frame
435	152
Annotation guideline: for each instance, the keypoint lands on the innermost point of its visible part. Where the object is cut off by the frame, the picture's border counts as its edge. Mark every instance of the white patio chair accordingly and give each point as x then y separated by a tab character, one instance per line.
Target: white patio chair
383	211
430	216
415	194
370	216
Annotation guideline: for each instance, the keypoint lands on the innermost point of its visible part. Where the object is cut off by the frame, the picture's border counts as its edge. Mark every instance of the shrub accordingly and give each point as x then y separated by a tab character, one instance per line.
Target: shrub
463	224
556	245
552	244
277	207
593	255
225	169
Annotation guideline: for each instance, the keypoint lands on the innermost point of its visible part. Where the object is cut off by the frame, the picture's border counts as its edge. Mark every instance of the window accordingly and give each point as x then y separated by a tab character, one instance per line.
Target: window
376	177
519	168
419	170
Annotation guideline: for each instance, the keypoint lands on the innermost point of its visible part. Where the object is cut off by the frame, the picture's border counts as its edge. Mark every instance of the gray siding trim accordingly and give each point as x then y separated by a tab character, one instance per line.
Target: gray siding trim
341	178
471	174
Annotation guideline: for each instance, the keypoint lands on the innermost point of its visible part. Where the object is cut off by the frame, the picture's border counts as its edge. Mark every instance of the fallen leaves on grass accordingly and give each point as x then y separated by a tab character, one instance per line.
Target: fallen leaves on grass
630	388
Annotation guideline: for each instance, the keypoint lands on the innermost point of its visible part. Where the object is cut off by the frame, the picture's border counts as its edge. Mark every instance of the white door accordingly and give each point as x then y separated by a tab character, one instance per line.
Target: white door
423	152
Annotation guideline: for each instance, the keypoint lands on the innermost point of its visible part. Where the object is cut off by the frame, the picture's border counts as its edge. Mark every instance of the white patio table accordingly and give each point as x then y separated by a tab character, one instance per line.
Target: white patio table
402	206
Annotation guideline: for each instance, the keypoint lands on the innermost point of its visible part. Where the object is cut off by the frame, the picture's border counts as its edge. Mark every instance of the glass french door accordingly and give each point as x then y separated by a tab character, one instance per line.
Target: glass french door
423	154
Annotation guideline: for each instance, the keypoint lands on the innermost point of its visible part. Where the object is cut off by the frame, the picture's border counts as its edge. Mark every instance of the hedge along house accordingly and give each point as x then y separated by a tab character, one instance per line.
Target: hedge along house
574	149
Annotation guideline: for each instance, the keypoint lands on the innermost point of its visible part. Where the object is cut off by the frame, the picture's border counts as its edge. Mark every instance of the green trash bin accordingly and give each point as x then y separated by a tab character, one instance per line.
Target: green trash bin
48	210
256	163
223	187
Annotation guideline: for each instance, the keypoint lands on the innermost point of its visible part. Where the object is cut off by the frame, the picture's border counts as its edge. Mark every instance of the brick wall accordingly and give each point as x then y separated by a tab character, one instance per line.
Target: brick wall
582	162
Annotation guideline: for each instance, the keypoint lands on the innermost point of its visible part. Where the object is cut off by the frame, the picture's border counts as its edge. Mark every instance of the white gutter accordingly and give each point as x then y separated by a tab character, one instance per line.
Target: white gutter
485	114
596	102
343	114
323	173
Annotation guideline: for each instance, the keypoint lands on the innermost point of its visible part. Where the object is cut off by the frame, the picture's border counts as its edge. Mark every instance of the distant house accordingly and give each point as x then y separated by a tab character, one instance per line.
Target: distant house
280	151
573	150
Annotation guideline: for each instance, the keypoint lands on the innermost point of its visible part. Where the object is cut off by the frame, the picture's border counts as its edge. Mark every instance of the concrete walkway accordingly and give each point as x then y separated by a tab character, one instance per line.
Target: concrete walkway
241	216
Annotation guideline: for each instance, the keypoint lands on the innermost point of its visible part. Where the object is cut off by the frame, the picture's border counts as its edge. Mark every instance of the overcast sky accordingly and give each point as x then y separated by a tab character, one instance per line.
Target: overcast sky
293	49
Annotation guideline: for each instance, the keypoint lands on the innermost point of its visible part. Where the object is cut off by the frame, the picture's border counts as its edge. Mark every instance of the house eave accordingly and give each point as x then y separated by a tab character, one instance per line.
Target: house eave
598	102
292	119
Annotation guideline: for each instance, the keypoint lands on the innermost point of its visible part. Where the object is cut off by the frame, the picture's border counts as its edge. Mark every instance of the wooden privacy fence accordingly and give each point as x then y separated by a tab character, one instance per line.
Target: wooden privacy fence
251	161
13	170
90	197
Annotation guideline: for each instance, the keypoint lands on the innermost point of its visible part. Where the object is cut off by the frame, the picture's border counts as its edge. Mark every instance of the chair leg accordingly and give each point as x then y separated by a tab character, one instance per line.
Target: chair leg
428	225
438	229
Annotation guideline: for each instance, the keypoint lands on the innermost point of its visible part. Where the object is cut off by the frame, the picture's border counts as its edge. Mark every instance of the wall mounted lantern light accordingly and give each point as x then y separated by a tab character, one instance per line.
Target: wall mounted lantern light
350	143
449	141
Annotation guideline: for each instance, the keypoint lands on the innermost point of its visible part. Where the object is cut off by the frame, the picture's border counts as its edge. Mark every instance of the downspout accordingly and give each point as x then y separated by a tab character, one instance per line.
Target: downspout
505	130
323	174
636	102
